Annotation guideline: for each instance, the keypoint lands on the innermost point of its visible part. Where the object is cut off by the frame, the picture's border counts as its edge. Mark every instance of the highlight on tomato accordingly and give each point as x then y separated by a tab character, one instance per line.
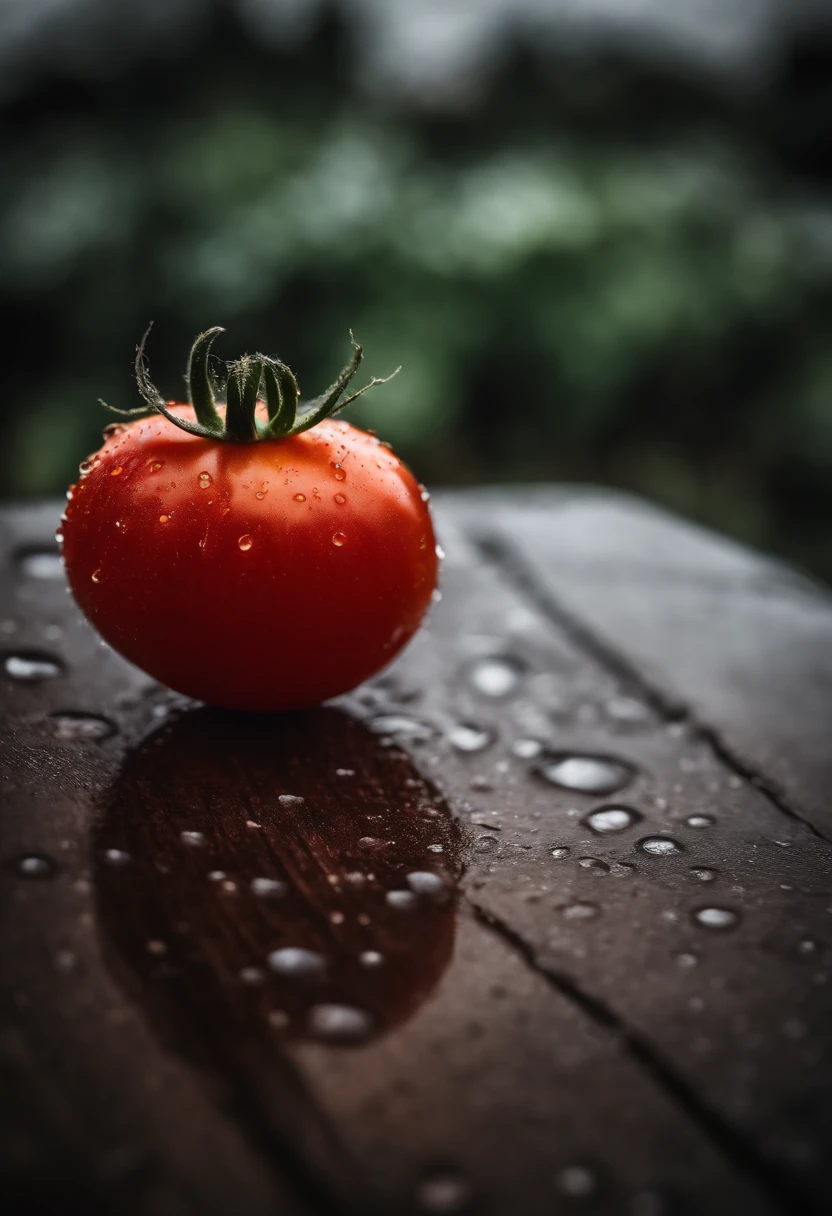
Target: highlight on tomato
253	552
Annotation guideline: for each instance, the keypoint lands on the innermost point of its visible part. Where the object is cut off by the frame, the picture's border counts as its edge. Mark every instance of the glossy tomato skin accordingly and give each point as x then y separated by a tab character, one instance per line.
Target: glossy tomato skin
261	576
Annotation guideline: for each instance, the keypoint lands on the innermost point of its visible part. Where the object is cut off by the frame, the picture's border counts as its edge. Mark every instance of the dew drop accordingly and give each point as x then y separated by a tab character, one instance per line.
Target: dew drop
268	888
440	553
371	958
97	575
261	494
163	519
469	738
526	749
716	918
594	865
700	821
339	473
560	851
338	539
686	960
494	676
116	857
608	819
71	725
31	667
340	1024
443	1193
587	774
399	724
424	494
580	911
194	840
245	543
34	865
43	564
659	846
703	873
115	472
626	709
300	498
340	499
425	882
371	842
402	901
290	799
577	1182
295	962
155	465
217	875
485	844
205	480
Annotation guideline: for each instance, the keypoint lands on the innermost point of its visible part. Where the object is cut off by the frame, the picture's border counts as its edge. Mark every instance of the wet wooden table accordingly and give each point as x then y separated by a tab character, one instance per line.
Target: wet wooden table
540	921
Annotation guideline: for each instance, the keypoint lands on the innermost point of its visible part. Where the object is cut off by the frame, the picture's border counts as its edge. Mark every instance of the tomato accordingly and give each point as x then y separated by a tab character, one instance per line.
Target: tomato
266	574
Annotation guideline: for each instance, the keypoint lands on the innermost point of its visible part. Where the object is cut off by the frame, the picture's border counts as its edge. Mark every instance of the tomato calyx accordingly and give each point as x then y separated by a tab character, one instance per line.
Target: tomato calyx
244	383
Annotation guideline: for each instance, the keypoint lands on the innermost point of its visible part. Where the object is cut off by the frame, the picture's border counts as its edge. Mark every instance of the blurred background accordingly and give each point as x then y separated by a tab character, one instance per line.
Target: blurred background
597	234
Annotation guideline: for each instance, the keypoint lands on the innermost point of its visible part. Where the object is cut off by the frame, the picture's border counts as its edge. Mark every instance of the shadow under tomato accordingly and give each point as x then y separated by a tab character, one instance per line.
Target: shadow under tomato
265	877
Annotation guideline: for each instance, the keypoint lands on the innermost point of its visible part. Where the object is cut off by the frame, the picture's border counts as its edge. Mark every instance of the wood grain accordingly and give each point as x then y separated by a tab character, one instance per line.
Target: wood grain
538	1020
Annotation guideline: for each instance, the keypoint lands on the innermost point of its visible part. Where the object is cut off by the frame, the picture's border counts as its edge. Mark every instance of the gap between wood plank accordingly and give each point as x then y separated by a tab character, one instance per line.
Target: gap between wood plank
495	550
788	1196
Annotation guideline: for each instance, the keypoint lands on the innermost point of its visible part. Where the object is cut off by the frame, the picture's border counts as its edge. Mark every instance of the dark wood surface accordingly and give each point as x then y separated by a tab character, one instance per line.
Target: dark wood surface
543	1018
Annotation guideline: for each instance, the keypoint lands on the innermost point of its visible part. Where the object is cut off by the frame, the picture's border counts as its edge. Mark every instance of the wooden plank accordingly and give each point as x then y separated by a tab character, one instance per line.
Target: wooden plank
735	639
517	1049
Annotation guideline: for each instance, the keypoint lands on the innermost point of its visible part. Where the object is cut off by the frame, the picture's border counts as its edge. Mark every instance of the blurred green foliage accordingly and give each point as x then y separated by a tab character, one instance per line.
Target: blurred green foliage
578	286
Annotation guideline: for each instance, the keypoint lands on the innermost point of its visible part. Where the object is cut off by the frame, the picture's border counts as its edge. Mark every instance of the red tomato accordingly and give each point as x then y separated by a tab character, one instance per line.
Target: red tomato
263	576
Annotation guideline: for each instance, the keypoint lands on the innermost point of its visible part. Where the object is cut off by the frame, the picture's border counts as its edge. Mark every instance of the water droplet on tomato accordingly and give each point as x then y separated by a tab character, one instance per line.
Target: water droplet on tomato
155	465
300	498
261	494
205	480
340	499
97	576
115	472
339	539
440	553
424	494
85	467
163	519
339	473
245	543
